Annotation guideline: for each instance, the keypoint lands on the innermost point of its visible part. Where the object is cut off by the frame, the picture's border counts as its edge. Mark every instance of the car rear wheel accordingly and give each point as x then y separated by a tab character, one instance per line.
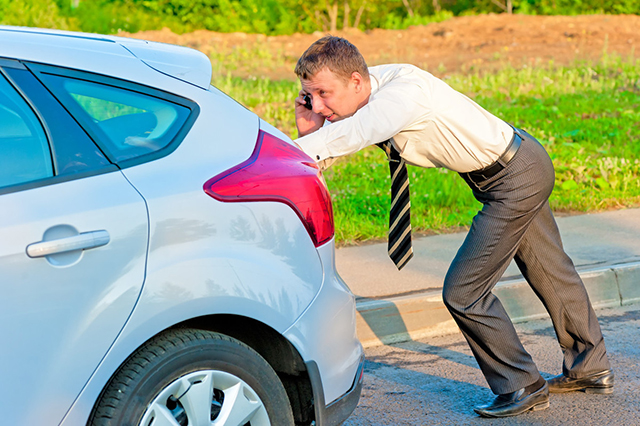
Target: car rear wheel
194	377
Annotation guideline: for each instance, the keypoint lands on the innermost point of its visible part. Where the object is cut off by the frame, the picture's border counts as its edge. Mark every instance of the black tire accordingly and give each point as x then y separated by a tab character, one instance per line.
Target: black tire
175	354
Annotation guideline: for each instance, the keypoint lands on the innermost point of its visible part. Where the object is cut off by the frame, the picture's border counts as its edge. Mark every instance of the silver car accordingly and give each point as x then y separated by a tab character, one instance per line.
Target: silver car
166	256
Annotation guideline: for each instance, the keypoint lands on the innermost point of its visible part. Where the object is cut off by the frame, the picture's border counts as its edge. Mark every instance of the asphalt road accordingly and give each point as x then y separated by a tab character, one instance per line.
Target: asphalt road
436	381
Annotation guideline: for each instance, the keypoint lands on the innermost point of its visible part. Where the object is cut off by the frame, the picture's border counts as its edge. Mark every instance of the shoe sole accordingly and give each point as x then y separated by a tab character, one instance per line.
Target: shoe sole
537	407
589	390
599	391
540	407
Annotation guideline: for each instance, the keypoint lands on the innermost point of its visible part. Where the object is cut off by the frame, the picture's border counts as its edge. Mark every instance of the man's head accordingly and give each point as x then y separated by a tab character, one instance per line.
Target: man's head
335	53
334	73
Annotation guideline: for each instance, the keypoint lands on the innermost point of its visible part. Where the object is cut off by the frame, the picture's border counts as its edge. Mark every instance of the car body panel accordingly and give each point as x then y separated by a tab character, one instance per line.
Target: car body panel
191	66
51	307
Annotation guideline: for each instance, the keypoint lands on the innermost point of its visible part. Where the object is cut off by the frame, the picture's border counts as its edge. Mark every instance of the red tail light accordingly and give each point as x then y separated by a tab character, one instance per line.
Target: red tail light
278	171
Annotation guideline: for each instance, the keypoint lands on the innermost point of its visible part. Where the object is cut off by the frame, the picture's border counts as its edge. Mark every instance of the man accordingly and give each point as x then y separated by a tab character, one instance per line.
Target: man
431	125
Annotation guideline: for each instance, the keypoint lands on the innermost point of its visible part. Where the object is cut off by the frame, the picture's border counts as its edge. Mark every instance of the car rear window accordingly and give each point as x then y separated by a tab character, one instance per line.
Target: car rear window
126	123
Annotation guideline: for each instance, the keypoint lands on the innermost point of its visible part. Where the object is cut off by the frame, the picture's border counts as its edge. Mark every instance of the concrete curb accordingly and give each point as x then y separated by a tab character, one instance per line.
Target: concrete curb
421	315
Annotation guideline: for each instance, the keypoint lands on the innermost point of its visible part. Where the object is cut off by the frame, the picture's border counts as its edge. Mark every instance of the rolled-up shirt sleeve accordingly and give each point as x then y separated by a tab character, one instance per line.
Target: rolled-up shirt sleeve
390	109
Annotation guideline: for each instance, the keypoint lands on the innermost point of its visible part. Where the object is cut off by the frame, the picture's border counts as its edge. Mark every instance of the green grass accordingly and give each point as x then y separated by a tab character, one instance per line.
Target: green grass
587	116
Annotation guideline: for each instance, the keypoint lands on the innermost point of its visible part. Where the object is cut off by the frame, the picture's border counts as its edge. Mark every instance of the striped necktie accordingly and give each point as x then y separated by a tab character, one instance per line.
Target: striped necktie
399	245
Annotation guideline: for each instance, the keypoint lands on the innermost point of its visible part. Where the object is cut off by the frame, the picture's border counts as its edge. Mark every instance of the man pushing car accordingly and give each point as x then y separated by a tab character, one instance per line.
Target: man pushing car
419	120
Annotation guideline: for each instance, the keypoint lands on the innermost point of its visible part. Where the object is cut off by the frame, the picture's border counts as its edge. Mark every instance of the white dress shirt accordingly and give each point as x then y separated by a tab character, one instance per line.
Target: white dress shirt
431	124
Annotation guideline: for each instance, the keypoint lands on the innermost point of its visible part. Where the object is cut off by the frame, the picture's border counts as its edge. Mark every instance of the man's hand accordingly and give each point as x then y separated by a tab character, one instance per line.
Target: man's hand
307	121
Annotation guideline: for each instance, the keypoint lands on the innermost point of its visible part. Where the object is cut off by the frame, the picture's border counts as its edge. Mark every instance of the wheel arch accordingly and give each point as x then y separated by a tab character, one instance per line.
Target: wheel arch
283	357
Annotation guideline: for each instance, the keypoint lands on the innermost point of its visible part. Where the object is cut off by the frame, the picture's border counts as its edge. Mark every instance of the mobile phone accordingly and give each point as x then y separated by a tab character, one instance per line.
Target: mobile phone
307	102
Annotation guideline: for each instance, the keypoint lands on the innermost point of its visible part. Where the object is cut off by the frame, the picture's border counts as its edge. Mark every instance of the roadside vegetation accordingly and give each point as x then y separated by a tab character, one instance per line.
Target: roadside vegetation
275	17
586	115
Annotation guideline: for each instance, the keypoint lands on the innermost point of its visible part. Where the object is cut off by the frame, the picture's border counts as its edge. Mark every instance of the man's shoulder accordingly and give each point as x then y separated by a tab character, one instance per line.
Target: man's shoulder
399	76
387	72
382	68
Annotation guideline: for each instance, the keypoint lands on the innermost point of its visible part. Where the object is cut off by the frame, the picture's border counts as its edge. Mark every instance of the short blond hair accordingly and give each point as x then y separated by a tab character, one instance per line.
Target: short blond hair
335	53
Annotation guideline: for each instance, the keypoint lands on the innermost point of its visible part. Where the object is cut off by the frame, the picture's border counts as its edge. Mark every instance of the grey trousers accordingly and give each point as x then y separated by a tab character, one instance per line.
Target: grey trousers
516	222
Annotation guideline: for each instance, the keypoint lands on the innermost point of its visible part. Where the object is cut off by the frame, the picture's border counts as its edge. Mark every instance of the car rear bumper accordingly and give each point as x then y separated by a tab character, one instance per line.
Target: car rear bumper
340	409
325	336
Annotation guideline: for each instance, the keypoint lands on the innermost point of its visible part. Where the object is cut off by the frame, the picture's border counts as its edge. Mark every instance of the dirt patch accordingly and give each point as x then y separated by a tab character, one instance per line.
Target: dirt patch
464	44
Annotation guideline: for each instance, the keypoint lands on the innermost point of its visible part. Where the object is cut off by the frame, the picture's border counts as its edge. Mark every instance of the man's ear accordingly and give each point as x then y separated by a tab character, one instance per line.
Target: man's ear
358	81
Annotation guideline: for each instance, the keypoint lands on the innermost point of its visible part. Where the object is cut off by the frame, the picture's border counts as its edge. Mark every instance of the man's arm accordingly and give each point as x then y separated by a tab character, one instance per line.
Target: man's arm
387	114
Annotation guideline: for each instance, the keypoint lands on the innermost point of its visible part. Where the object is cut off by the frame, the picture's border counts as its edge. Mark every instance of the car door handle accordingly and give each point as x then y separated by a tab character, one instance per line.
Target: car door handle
83	241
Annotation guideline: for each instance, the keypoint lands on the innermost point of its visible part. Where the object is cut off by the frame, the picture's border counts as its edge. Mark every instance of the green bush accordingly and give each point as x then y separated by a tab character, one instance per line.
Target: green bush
546	7
32	13
399	22
253	16
108	17
577	7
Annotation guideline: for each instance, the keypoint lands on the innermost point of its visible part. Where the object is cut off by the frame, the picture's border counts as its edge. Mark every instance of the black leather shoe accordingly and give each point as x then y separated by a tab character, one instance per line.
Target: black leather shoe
514	403
600	383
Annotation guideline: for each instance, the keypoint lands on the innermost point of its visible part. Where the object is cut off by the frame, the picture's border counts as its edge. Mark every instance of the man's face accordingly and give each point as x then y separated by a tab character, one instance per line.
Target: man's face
333	97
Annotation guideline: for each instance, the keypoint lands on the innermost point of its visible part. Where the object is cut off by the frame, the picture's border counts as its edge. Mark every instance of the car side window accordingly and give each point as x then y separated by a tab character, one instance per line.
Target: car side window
25	155
126	123
73	152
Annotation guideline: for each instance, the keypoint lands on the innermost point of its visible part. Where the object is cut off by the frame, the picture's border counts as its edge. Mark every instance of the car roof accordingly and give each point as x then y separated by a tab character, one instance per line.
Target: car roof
95	52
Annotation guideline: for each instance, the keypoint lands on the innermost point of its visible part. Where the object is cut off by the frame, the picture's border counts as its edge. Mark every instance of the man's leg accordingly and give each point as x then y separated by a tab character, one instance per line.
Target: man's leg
552	275
511	201
482	259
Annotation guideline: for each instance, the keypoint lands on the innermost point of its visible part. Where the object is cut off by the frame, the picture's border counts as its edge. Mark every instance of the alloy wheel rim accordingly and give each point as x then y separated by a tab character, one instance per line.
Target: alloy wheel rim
206	397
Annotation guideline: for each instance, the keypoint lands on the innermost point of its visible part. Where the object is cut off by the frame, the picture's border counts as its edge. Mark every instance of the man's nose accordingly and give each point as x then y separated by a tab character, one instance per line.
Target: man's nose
317	105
